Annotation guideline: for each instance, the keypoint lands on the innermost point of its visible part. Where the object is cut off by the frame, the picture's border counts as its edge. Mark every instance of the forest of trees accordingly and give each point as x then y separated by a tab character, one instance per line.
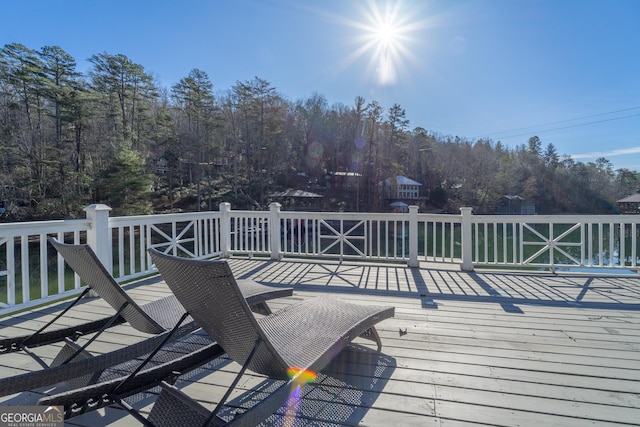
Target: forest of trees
114	136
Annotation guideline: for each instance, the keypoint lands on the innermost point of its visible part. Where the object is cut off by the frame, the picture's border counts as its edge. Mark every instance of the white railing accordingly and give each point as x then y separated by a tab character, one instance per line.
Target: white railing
194	235
318	234
557	242
26	261
344	236
31	272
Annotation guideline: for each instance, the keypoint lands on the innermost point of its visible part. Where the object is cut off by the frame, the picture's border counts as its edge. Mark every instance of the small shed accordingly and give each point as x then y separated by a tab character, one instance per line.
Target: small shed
512	204
399	207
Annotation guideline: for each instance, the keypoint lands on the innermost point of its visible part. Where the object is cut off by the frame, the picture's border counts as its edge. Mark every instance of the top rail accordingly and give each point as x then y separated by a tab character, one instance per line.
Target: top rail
32	273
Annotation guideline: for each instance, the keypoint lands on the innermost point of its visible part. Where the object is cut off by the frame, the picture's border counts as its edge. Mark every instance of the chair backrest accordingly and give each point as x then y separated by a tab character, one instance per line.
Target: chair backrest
210	294
86	264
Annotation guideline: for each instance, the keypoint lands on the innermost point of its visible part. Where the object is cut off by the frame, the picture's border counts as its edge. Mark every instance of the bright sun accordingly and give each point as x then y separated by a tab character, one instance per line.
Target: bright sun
385	37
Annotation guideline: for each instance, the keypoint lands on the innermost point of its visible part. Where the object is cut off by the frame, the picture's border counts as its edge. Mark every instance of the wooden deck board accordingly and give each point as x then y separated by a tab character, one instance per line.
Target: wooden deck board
480	348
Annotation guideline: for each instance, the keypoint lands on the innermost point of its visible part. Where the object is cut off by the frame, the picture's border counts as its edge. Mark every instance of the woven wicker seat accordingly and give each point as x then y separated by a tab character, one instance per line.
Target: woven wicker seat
300	338
184	355
164	318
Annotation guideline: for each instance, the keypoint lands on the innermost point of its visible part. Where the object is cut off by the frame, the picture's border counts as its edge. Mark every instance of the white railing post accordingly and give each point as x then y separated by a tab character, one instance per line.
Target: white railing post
98	237
467	254
225	229
413	236
274	230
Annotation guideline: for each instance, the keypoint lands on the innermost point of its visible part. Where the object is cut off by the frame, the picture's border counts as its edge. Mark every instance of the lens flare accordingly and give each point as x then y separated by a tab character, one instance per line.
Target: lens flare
300	377
292	406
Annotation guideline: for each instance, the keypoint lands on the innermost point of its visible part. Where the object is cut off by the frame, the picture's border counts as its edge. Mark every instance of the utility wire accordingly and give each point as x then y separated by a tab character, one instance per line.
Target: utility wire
571	126
493	134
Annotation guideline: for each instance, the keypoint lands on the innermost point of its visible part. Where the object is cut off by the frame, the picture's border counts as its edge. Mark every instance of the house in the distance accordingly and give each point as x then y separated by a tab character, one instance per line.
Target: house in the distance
298	200
400	192
342	180
400	188
630	204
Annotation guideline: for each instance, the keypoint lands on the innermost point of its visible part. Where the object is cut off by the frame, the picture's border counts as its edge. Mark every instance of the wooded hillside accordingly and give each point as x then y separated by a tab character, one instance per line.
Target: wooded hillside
115	136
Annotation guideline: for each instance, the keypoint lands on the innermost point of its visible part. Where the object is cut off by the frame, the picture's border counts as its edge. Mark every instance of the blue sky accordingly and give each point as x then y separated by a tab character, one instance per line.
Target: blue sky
567	71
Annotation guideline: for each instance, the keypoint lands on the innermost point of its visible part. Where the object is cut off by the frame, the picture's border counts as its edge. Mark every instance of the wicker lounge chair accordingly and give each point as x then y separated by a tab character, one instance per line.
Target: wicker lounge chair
300	338
182	356
164	318
153	318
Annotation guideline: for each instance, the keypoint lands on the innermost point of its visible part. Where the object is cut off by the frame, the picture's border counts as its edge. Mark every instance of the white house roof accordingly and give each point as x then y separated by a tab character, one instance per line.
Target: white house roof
402	180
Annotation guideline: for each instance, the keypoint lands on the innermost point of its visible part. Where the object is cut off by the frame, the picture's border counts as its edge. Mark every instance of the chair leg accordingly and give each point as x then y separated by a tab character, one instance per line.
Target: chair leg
132	411
372	334
233	384
70	347
35	357
172	402
173	408
14	344
113	395
67	308
26	349
261	308
97	334
152	354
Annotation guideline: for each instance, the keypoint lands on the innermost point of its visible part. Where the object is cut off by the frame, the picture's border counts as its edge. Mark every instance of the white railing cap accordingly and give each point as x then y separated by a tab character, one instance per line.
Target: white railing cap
97	207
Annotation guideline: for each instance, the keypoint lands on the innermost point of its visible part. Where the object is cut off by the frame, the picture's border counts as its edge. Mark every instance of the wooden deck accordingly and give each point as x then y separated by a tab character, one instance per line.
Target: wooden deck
479	348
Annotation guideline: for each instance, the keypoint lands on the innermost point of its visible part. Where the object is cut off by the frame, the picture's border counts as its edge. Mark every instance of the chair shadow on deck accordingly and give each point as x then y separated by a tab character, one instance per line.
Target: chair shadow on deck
342	393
